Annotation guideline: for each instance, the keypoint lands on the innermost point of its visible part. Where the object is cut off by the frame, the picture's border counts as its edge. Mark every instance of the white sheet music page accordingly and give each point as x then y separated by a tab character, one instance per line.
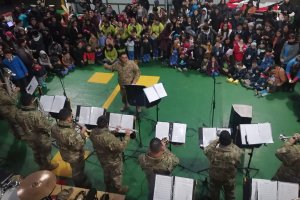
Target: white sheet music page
127	121
265	133
183	188
31	87
251	132
267	190
179	133
151	94
254	191
58	103
84	115
209	135
46	102
160	90
287	191
95	114
162	130
114	121
163	187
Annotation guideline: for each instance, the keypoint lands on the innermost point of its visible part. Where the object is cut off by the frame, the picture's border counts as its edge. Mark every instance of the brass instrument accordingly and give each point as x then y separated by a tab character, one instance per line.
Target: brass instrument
9	86
284	138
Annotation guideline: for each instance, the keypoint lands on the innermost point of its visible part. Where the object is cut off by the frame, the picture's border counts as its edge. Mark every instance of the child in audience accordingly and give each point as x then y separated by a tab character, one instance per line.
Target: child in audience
68	61
146	50
89	56
111	55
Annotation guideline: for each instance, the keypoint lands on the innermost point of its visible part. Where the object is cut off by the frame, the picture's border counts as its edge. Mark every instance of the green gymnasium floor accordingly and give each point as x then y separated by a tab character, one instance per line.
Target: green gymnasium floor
189	101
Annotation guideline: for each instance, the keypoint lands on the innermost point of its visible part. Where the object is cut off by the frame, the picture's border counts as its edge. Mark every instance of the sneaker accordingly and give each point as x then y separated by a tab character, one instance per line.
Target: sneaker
185	69
230	80
236	82
179	69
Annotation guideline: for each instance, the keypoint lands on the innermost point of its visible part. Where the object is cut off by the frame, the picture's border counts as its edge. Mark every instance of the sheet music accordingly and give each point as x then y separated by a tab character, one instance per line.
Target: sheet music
265	133
84	116
95	113
31	87
287	191
46	102
209	135
114	121
162	130
160	90
126	122
267	190
151	94
254	189
250	131
183	188
179	132
58	103
163	187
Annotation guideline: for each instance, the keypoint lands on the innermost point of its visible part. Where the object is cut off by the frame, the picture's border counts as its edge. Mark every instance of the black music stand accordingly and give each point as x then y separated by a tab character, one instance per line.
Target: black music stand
136	97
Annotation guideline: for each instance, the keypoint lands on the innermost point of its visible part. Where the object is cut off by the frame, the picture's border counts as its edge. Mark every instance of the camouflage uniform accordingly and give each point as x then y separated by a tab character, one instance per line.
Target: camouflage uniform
223	167
71	147
109	150
8	111
128	73
37	134
289	171
160	165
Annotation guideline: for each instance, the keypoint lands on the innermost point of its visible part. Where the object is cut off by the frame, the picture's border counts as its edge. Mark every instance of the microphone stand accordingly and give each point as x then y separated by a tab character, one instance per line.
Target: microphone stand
213	101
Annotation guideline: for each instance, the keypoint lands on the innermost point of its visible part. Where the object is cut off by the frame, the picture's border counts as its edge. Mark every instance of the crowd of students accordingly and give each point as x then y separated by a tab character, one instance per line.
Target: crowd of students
258	52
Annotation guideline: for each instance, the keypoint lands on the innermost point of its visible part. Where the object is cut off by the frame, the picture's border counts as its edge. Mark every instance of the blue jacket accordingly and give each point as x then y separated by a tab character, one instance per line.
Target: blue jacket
17	67
289	67
267	62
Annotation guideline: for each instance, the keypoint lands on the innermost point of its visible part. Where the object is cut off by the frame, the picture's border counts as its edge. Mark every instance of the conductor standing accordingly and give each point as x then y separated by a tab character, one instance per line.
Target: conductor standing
128	73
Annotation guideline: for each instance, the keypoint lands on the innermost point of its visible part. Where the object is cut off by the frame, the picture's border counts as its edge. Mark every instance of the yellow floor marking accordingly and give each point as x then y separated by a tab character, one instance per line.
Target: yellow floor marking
144	80
64	169
100	77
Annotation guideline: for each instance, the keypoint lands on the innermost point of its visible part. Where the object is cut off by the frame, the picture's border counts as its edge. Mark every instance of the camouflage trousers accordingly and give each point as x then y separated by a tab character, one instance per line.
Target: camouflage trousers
9	113
123	94
41	151
78	176
113	176
216	186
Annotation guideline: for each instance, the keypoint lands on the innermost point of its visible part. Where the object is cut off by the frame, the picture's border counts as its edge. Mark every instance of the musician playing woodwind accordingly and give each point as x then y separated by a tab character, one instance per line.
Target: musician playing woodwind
289	155
71	146
109	150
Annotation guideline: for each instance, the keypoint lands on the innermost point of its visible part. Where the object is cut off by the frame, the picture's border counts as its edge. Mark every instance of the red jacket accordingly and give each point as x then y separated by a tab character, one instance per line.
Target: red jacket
238	52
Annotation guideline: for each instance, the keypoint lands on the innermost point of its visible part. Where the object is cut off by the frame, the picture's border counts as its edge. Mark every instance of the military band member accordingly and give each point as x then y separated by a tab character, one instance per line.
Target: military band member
224	158
128	73
158	160
289	155
109	150
71	146
37	132
8	109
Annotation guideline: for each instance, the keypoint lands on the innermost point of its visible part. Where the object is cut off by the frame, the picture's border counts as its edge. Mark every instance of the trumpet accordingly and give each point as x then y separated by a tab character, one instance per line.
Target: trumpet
284	138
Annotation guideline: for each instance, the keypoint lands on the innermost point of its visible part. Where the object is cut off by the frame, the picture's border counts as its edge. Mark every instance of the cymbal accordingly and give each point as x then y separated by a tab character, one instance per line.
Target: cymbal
37	185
